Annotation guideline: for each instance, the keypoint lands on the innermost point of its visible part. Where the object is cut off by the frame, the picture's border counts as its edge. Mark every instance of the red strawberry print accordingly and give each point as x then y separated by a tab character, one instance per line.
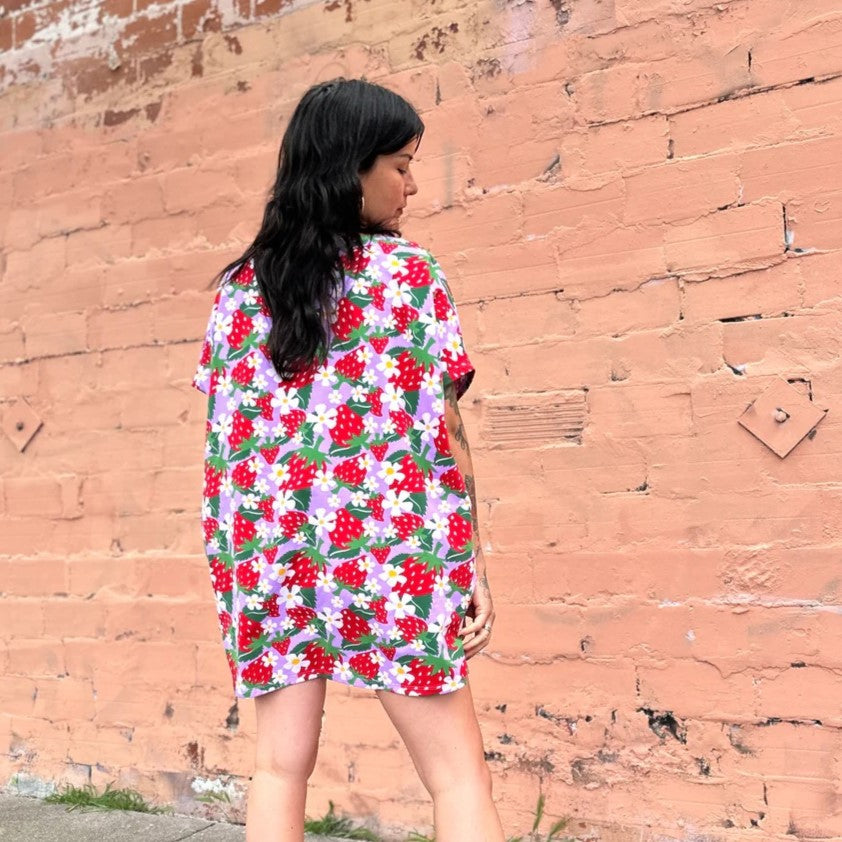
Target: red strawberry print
379	343
292	420
441	304
379	607
210	525
378	296
348	528
241	431
365	663
248	631
266	408
270	605
376	505
381	553
321	661
411	627
243	475
213	478
351	472
426	680
281	646
302	472
374	401
248	575
270	454
453	479
205	358
245	275
291	522
270	553
404	316
241	328
356	261
353	626
411	372
406	524
379	450
225	621
303	377
413	476
402	421
420	577
348	425
301	615
349	317
244	531
259	671
243	373
442	439
350	573
417	273
351	366
221	576
452	631
462	576
459	532
305	571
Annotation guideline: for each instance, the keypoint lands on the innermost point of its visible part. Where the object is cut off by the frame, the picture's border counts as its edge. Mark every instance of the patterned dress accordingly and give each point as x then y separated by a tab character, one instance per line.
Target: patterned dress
337	525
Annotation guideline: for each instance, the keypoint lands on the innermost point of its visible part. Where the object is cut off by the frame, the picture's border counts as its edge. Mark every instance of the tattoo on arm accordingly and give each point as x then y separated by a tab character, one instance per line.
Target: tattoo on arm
462	440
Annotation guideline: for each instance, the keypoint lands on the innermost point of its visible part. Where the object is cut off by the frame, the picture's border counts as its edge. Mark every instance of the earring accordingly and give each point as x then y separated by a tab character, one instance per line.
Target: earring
362	205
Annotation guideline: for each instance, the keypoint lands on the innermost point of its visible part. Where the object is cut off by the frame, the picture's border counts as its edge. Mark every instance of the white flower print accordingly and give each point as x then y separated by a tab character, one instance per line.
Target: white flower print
285	401
391	472
224	424
323	520
398	293
392	575
402	673
397	502
393	396
389	366
401	604
428	426
326	375
296	662
322	418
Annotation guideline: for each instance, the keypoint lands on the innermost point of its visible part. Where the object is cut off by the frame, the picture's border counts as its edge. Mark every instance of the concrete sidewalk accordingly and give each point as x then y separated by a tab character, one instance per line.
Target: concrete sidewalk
25	819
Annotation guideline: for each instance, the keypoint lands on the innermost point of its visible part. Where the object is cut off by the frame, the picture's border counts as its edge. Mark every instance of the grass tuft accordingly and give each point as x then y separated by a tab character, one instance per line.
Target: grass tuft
332	825
87	798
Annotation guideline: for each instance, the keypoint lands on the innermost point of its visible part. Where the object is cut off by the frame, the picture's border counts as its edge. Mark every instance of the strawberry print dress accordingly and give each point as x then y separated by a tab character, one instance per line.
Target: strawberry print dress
337	525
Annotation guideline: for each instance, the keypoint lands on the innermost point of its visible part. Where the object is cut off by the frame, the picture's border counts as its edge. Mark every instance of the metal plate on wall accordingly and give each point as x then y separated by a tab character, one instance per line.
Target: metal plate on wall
781	416
529	420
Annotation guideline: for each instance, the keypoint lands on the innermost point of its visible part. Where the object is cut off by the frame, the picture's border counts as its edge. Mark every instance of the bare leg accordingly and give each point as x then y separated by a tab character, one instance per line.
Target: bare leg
443	738
288	726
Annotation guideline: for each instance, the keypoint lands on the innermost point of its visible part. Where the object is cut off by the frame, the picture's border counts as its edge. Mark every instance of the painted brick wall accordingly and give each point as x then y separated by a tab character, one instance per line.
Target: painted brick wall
639	205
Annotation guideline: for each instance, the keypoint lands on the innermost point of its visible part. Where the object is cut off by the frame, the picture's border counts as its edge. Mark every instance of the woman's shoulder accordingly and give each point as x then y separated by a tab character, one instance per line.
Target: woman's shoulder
391	243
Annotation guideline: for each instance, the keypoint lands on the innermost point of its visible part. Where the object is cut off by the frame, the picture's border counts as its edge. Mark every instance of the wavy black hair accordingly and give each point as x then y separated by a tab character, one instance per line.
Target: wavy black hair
313	216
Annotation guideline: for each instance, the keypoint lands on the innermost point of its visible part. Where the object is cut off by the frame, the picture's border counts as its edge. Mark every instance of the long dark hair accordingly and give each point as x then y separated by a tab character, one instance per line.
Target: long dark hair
313	216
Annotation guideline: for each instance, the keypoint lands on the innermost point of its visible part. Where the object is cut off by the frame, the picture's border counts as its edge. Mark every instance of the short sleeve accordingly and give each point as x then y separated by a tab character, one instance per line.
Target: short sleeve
448	342
202	375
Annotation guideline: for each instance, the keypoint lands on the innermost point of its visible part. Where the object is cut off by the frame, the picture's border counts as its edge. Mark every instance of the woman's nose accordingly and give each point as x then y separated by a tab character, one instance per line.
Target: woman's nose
411	186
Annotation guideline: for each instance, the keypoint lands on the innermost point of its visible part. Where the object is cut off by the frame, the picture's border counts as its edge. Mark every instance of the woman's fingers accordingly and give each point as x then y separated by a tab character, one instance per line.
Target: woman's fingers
477	632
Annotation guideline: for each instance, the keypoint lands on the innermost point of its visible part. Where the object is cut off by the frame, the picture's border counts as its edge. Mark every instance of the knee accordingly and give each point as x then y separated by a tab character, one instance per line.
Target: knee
471	778
286	761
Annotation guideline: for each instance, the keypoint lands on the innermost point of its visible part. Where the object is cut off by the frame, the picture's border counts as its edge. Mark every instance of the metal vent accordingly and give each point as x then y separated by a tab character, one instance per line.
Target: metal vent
542	419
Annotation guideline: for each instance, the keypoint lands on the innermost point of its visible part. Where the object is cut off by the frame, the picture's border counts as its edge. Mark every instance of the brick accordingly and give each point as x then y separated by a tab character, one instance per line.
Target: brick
74	618
144	34
618	147
54	333
89	575
64	699
169	233
807	694
768	292
786	56
22	617
681	189
34	577
121	328
538	317
180	317
741	238
132	201
572	205
192	188
490	222
42	496
19	694
506	270
66	213
760	120
101	245
34	657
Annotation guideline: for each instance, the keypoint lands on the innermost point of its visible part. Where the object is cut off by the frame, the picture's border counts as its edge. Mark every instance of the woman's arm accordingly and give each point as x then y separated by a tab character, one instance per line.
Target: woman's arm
481	610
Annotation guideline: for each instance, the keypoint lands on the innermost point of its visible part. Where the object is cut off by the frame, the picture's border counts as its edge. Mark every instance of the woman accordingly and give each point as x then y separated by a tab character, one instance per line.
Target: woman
339	504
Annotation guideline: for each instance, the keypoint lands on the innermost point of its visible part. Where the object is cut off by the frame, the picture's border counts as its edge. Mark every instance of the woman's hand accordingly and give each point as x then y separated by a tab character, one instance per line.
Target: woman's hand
477	632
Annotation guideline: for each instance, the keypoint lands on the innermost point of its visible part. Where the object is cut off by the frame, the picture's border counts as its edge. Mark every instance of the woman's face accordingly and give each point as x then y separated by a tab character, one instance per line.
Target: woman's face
387	185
